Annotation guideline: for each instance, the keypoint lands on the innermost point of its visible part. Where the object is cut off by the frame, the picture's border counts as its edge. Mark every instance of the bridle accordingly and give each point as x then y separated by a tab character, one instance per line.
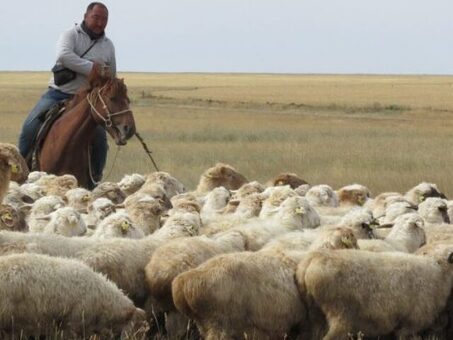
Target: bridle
92	98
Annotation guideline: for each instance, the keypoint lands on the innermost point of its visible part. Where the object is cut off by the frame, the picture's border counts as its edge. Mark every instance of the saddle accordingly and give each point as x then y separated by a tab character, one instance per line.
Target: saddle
47	118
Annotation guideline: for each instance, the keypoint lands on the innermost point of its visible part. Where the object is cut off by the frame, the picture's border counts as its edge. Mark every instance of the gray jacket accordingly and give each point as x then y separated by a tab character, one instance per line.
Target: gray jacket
73	43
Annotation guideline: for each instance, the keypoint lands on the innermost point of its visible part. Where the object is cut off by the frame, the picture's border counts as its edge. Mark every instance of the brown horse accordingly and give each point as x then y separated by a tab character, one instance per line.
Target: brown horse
65	149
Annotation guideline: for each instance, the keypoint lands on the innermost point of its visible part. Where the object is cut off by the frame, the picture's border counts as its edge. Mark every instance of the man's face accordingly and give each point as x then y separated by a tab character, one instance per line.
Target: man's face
96	19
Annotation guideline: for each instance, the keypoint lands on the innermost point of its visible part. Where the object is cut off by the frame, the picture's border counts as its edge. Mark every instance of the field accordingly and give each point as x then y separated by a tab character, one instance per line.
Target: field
386	132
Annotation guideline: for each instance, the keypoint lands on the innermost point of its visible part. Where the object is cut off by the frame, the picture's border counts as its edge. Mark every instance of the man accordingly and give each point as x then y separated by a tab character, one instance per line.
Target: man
89	38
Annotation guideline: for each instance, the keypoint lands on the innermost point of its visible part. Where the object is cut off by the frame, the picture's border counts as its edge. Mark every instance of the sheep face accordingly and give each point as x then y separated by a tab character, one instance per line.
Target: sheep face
434	210
296	213
409	226
322	195
111	191
11	218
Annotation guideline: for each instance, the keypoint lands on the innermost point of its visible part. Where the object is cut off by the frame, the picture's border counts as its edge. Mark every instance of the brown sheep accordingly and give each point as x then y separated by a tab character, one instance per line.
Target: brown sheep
287	178
374	293
220	175
16	158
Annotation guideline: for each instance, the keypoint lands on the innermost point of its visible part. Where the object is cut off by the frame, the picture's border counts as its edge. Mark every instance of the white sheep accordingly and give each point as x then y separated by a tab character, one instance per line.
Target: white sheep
322	195
40	211
145	213
406	235
118	224
109	190
65	221
79	199
434	210
421	192
171	185
131	183
37	291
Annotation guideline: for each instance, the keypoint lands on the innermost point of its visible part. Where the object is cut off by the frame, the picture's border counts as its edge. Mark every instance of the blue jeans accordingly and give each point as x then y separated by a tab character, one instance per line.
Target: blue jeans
32	124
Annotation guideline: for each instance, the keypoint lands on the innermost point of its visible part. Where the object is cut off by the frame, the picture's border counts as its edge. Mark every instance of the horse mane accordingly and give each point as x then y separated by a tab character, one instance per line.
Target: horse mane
114	87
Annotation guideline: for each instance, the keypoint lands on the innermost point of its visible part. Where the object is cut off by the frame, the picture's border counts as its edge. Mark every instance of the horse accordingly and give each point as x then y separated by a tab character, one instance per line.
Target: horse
66	147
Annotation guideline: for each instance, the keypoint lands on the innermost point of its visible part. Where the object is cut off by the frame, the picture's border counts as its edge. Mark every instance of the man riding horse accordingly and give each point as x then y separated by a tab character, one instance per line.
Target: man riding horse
81	50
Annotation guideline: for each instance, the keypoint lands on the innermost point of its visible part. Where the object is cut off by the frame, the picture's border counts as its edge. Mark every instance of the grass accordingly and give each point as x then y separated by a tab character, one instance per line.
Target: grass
386	132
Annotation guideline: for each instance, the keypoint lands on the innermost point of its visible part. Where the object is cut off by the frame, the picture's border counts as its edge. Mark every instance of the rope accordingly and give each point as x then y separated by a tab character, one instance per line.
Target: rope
90	169
148	151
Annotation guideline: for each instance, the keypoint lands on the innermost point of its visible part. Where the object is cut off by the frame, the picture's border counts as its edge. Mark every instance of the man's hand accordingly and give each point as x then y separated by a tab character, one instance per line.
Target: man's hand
103	70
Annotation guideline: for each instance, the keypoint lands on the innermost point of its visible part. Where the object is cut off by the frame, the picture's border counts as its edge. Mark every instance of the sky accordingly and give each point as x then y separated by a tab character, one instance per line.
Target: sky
256	36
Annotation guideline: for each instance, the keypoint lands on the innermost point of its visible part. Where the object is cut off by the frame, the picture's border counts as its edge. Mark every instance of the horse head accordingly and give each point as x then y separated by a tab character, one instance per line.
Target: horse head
109	104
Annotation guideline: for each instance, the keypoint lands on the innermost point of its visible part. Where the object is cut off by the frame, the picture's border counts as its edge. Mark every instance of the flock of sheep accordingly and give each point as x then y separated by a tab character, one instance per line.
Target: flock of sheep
233	259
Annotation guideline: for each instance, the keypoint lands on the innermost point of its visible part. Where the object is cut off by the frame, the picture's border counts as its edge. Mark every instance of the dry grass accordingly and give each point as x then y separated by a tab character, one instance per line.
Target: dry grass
386	132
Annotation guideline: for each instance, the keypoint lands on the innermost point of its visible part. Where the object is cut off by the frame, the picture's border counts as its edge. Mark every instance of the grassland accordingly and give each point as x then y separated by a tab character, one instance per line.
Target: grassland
386	132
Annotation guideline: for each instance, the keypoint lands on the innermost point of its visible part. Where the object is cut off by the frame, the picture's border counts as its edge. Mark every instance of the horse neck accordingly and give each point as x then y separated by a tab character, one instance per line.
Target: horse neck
80	123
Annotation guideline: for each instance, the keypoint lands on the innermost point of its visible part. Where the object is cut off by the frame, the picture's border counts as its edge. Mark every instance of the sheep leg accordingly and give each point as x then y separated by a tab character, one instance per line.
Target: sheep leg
338	329
177	325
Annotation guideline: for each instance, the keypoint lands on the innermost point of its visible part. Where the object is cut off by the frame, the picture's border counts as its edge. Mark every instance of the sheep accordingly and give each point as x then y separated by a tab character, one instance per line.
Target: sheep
12	218
145	213
33	176
241	295
16	197
434	210
353	195
186	202
286	178
98	209
40	293
65	221
57	185
79	199
374	293
247	294
394	210
122	260
275	196
294	214
39	213
118	224
422	191
131	183
171	185
322	195
379	203
32	190
109	190
357	221
215	201
6	169
251	188
407	235
20	170
154	190
220	175
180	255
302	190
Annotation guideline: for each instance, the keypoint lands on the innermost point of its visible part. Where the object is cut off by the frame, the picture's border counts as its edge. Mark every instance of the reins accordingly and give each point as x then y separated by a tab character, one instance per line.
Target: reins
92	101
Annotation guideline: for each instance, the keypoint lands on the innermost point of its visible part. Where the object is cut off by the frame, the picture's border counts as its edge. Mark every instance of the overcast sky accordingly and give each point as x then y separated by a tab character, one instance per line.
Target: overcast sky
277	36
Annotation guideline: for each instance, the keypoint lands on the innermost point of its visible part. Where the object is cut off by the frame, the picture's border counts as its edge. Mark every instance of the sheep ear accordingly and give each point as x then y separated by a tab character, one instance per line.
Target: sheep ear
450	258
